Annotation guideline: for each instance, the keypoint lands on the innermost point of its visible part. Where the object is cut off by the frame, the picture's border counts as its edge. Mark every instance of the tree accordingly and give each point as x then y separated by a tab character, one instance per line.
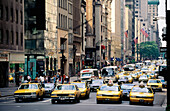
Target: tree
148	50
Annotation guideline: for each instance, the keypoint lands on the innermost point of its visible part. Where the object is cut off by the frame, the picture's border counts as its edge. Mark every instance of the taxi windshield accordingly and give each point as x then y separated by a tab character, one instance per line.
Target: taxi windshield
143	90
108	72
154	81
97	82
28	86
162	81
80	85
86	74
109	88
65	87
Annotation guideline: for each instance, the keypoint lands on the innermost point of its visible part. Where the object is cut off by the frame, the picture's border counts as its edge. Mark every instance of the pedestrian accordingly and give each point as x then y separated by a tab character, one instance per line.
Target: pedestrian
67	78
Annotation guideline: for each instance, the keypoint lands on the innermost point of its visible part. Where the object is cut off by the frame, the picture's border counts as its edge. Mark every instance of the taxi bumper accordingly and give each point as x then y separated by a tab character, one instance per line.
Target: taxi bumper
142	100
102	98
63	98
25	96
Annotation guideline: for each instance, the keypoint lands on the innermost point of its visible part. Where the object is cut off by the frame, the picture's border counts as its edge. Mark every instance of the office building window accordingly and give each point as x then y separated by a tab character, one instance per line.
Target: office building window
143	24
12	38
6	8
1	36
21	17
16	38
70	8
7	36
1	12
21	39
70	23
59	20
16	16
21	1
11	17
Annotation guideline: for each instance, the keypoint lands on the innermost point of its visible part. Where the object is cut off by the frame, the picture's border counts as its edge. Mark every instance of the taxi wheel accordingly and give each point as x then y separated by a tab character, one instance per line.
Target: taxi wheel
98	102
41	98
151	104
16	100
131	103
78	100
52	101
120	101
160	90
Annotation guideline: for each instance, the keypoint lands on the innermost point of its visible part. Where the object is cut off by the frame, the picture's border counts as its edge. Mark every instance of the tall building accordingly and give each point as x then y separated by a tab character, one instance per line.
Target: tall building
152	12
11	38
116	29
98	29
41	37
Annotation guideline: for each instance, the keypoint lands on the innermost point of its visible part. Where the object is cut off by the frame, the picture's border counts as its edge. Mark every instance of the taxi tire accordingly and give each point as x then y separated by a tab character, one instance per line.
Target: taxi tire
41	98
98	101
120	101
151	104
16	100
78	100
131	103
52	101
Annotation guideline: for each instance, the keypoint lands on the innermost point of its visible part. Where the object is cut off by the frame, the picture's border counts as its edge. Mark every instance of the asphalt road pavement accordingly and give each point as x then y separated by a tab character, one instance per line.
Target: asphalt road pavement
9	104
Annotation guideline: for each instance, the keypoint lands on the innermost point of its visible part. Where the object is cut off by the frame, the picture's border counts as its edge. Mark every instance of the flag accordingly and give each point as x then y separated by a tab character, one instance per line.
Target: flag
136	40
143	31
126	33
146	34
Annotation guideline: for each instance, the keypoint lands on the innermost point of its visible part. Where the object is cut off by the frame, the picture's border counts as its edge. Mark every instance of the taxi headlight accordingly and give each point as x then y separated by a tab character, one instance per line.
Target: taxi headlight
71	94
99	94
133	96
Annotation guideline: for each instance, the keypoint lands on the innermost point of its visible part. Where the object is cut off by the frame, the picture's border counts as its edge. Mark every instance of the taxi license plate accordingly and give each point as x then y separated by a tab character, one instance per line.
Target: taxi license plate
107	99
141	100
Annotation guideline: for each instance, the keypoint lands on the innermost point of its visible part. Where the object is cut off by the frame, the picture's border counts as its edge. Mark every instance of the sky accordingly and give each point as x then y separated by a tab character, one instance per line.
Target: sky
161	22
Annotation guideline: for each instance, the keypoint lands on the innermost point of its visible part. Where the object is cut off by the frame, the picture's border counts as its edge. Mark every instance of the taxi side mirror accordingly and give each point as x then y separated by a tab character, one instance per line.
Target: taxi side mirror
97	90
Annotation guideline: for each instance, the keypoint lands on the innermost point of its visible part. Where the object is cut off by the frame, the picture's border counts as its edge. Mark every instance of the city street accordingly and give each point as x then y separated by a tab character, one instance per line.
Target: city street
9	104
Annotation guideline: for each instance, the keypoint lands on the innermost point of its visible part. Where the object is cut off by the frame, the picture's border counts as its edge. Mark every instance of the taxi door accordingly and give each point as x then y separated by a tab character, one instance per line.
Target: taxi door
40	90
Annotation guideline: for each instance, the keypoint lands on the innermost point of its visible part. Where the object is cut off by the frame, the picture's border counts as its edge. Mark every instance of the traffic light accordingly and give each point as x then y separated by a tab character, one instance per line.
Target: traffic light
164	34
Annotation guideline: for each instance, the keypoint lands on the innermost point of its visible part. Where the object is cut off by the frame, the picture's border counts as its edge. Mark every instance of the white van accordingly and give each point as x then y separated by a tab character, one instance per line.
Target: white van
147	62
89	74
109	72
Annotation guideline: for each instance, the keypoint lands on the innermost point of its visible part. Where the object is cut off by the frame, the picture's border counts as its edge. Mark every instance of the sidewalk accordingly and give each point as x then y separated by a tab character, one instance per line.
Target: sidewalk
9	91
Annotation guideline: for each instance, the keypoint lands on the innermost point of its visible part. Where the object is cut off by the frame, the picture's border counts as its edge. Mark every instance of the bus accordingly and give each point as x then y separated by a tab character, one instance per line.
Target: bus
88	74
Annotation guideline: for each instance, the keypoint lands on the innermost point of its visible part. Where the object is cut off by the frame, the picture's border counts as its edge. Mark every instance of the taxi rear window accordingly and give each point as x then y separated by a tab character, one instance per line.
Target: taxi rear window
109	88
80	85
143	90
65	87
29	86
154	81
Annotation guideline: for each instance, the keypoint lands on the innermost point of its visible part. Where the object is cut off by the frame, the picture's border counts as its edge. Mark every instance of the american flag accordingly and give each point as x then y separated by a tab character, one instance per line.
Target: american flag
136	40
126	33
146	34
143	31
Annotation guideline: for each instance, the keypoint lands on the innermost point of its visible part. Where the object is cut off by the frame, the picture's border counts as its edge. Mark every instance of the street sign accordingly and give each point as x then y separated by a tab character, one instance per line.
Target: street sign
163	49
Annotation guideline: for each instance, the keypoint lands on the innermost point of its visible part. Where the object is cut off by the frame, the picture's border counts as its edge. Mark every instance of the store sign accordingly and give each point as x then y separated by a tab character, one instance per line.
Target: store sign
4	57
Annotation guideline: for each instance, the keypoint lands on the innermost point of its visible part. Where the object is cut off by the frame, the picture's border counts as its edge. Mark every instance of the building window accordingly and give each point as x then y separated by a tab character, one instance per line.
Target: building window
70	8
11	17
16	38
7	36
16	16
1	12
1	36
136	11
70	23
143	24
21	39
21	1
12	38
21	16
59	20
93	42
6	8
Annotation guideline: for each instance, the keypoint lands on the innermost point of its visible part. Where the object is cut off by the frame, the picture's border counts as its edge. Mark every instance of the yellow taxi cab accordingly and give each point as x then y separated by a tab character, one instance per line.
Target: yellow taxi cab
141	94
29	91
84	88
130	79
155	84
109	92
135	76
66	92
11	79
